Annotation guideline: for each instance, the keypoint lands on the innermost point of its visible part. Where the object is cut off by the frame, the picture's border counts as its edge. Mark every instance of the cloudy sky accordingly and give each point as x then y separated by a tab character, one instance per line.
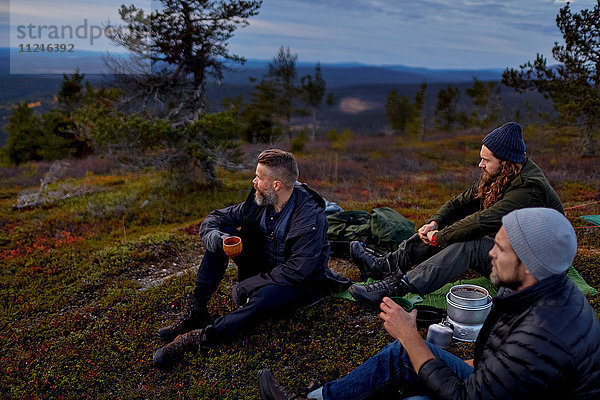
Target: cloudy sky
425	33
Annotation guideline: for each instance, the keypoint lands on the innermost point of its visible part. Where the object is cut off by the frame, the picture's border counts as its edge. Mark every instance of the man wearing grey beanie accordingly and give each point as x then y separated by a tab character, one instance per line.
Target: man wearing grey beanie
459	236
541	339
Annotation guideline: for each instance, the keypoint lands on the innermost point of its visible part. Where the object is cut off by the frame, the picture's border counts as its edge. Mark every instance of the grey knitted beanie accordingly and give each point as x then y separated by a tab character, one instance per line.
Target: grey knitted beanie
506	142
543	239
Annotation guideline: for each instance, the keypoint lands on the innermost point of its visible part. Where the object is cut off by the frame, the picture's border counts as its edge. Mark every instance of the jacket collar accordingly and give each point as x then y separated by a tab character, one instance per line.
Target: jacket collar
303	194
508	299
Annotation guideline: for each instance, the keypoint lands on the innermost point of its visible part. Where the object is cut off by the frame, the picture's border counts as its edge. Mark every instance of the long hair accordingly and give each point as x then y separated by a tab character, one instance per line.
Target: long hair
492	190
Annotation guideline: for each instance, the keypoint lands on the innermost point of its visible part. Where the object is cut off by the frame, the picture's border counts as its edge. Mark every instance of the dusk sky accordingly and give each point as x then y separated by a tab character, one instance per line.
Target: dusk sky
425	33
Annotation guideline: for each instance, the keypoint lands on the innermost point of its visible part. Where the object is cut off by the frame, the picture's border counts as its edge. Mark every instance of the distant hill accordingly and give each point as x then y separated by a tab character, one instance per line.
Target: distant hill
351	74
361	89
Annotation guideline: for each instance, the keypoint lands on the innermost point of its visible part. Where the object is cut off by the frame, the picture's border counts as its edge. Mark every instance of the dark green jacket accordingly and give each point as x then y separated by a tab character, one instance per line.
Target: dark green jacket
463	218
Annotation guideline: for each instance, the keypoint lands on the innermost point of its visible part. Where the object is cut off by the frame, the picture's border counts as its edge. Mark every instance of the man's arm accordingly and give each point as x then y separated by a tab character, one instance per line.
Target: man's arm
523	366
488	221
213	227
403	327
457	208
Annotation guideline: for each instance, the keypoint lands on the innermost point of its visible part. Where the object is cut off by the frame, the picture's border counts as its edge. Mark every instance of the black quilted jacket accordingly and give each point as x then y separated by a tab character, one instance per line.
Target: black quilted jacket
539	343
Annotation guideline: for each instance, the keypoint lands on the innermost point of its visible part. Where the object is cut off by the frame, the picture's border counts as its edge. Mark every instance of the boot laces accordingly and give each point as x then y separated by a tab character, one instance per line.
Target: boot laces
389	283
382	264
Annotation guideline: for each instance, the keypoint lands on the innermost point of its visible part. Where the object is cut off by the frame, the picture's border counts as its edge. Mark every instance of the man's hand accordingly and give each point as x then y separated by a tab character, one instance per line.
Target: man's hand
396	321
425	229
403	327
430	236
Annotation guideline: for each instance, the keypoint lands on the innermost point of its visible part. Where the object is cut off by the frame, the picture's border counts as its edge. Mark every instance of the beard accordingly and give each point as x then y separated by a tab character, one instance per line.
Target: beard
512	282
488	179
492	187
266	197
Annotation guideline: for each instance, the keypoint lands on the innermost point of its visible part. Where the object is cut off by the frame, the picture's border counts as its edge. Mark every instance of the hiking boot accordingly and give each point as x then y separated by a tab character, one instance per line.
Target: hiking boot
369	263
270	389
172	352
194	316
372	294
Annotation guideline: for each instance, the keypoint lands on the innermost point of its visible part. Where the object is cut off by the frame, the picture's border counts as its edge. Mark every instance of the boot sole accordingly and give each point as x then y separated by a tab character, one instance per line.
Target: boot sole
157	358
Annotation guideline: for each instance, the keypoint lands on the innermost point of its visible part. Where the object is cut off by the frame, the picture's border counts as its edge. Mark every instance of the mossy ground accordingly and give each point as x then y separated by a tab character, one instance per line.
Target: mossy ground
85	282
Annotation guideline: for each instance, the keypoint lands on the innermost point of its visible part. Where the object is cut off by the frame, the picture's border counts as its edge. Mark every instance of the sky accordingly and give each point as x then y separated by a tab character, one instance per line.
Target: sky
438	34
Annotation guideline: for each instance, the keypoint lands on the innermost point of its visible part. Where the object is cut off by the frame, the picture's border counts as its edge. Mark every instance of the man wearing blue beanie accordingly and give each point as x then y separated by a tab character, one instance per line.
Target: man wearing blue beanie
459	236
541	339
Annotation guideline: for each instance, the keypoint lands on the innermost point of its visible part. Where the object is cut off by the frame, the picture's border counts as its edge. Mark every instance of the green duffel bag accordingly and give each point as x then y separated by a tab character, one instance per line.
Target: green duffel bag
382	230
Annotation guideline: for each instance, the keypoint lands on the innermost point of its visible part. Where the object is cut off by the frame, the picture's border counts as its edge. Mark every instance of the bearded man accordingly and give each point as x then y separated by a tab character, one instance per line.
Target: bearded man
283	263
460	235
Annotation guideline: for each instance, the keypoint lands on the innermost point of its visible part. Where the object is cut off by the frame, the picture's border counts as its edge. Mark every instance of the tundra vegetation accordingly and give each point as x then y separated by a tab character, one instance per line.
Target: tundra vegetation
91	272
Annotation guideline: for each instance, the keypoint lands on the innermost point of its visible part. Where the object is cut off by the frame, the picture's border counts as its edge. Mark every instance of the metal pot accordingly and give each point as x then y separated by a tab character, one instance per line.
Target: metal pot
463	332
469	295
468	315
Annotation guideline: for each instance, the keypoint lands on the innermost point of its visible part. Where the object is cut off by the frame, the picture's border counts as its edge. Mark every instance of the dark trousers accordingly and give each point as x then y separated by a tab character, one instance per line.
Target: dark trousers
263	303
438	267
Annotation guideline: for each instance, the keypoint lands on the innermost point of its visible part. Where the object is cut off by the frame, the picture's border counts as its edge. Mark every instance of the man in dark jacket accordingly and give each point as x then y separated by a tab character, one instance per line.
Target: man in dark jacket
459	235
541	339
283	263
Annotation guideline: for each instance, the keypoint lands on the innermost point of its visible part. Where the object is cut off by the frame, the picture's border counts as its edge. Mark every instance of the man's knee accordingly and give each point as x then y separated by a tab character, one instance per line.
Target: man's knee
274	297
480	245
214	259
211	270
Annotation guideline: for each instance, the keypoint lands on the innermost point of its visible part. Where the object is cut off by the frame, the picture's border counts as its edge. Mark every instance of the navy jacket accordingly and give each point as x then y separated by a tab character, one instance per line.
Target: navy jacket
306	247
539	343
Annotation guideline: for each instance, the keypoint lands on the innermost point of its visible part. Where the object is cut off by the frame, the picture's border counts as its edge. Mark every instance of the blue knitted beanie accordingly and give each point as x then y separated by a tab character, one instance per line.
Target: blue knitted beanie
506	142
543	239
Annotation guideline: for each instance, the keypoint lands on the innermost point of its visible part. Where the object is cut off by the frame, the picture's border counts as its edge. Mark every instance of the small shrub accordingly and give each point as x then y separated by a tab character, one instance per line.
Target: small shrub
297	145
343	141
332	134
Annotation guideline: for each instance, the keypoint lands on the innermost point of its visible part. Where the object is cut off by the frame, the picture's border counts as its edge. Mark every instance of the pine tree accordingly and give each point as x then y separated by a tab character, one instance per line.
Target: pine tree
24	135
486	99
416	123
184	41
573	85
446	109
313	90
283	77
398	110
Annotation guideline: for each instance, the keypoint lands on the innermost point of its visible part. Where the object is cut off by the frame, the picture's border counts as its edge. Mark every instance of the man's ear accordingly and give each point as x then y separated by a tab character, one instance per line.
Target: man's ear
277	185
